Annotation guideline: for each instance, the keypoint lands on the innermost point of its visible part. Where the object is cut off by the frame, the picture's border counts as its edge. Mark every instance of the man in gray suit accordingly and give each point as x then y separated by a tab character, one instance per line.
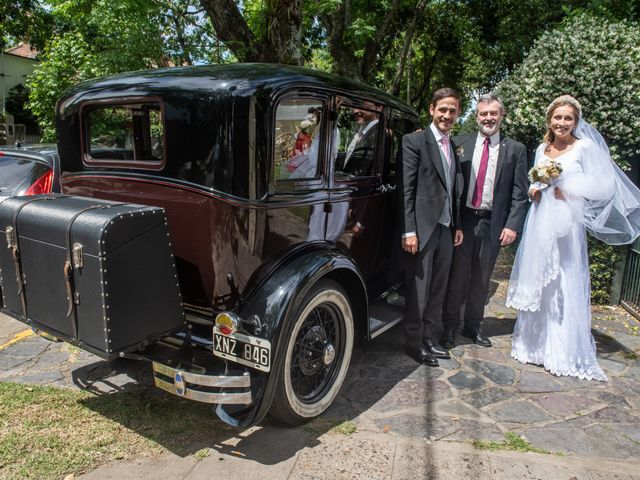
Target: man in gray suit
430	189
494	208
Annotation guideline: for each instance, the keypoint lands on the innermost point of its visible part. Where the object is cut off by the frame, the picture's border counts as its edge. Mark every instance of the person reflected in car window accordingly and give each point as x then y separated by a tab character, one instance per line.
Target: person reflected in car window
360	153
304	164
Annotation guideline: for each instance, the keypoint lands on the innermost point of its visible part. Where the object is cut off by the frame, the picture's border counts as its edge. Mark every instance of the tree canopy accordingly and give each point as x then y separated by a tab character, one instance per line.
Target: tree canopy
408	47
595	60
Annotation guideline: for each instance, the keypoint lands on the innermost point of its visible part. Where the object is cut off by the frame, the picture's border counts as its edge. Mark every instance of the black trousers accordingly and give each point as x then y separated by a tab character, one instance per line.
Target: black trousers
471	269
426	285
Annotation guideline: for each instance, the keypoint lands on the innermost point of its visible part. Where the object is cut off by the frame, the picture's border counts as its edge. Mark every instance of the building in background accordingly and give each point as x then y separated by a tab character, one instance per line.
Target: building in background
16	64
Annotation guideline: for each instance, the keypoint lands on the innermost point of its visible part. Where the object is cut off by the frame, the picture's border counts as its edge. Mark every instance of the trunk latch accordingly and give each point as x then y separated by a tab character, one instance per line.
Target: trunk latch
11	238
76	255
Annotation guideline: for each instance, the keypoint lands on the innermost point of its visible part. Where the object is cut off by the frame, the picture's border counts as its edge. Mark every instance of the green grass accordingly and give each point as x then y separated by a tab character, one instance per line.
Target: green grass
47	433
630	355
201	454
512	441
321	425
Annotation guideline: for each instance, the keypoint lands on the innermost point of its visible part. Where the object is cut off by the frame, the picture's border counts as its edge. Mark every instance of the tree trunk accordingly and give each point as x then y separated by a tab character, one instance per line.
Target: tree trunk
284	36
232	29
345	61
282	39
395	87
426	84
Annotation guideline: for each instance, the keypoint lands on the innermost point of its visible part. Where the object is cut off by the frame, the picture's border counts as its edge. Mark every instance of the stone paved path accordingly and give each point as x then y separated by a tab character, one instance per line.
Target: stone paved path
480	394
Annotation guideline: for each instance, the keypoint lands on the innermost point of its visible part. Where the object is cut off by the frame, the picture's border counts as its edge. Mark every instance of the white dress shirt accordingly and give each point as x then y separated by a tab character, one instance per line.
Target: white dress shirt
362	131
489	179
438	134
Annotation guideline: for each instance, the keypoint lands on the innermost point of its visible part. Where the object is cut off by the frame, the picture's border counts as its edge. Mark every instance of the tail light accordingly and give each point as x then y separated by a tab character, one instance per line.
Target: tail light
42	185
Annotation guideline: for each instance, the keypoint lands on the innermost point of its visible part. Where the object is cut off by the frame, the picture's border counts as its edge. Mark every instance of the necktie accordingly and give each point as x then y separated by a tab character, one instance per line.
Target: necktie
482	173
445	148
352	146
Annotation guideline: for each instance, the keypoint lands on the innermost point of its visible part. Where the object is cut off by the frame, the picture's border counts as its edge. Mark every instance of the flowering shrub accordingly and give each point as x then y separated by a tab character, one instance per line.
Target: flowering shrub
598	62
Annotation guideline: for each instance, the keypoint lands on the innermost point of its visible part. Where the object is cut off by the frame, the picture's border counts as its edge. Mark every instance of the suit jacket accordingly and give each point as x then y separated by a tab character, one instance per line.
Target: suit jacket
423	188
362	158
510	201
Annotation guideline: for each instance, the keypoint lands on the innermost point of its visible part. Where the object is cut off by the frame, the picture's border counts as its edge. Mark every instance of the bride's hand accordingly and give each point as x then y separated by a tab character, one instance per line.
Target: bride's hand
558	194
534	194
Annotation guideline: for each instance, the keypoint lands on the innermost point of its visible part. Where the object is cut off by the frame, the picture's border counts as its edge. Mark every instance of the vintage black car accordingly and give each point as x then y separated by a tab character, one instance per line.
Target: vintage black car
233	224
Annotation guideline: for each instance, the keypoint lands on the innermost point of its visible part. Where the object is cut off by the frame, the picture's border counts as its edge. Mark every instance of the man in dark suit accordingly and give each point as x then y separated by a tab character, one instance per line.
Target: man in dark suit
430	189
360	155
493	212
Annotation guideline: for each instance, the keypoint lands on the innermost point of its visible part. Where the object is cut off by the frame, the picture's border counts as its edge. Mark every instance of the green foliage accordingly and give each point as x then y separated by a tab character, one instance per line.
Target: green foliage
597	61
615	10
17	100
603	260
97	38
68	61
24	20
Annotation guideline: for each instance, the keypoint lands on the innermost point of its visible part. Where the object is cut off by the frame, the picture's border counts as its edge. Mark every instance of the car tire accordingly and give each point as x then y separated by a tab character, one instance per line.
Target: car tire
317	355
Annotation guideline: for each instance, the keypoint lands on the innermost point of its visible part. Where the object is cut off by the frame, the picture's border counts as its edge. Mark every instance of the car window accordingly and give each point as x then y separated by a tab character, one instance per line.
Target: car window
358	127
129	134
398	126
298	138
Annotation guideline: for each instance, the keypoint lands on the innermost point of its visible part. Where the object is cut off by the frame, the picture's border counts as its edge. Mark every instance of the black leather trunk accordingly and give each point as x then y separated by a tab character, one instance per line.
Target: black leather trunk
99	274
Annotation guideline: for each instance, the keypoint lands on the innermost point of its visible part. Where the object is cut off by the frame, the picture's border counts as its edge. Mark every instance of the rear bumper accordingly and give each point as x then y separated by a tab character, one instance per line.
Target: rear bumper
219	389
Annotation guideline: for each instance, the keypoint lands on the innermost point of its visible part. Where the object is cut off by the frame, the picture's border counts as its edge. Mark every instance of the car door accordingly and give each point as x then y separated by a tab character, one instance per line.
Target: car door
357	200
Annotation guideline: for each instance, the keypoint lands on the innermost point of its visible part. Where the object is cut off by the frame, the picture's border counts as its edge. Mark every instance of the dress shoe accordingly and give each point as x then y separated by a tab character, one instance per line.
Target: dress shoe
433	350
448	339
421	355
478	337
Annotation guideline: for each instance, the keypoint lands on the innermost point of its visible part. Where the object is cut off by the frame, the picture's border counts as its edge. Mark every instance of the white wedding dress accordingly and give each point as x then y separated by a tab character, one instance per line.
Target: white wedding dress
553	328
549	282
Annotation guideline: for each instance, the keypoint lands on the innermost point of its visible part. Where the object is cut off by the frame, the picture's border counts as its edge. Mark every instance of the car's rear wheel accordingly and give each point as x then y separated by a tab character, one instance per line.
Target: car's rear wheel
317	355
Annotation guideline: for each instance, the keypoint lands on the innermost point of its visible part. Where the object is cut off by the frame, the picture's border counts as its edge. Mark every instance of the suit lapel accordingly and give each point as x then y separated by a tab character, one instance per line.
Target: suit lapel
501	154
433	151
468	146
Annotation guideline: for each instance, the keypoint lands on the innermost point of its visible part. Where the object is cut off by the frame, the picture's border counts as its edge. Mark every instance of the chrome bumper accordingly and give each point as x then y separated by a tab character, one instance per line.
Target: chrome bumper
198	387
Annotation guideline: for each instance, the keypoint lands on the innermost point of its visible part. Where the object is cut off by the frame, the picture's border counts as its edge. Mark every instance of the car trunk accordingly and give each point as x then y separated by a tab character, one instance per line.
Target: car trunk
96	273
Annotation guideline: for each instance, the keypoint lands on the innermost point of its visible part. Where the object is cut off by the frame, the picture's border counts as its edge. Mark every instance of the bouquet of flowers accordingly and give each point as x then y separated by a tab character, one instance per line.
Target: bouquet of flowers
545	171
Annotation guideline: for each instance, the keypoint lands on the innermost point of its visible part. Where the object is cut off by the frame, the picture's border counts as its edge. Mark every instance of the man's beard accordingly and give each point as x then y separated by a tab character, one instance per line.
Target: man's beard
489	130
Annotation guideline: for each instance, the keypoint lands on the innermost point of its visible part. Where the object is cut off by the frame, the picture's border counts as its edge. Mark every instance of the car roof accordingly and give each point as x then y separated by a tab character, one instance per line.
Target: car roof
228	80
43	152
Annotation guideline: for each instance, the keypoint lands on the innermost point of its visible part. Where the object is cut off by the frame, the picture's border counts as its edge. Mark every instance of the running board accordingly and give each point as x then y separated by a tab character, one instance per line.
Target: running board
385	313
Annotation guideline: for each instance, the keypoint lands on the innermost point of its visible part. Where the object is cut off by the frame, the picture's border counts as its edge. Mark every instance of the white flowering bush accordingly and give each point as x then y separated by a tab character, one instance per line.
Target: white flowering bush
598	62
595	60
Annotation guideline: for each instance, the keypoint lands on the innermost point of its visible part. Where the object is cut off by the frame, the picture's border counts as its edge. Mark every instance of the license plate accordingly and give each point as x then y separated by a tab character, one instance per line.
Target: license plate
237	347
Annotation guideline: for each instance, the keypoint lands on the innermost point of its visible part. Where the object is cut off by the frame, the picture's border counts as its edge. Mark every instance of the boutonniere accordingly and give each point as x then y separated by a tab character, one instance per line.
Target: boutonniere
460	151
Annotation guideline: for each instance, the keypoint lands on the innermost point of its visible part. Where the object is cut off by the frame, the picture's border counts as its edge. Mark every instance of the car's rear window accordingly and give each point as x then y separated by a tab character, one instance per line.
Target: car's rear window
129	135
17	173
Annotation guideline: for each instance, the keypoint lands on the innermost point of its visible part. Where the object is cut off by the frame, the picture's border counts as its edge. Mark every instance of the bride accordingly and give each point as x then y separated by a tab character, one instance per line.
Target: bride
549	283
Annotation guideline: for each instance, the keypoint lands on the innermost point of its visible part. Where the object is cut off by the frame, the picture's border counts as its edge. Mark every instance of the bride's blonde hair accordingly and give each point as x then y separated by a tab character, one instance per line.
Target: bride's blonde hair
561	101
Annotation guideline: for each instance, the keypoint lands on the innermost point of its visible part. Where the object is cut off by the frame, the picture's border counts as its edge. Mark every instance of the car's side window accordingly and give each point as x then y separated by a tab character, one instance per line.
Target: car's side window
297	142
359	139
129	134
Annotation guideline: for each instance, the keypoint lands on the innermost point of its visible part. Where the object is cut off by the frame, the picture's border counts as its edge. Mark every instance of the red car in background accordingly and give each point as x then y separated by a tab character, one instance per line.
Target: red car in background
29	169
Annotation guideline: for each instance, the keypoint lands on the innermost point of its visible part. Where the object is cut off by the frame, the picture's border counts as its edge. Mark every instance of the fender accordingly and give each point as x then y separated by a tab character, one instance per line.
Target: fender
275	301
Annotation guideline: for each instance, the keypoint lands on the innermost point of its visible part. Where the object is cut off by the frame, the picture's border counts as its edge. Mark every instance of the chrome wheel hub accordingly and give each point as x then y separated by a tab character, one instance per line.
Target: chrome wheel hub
329	354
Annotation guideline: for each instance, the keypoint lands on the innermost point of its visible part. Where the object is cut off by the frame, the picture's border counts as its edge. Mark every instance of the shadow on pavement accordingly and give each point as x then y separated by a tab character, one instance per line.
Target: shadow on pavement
381	379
